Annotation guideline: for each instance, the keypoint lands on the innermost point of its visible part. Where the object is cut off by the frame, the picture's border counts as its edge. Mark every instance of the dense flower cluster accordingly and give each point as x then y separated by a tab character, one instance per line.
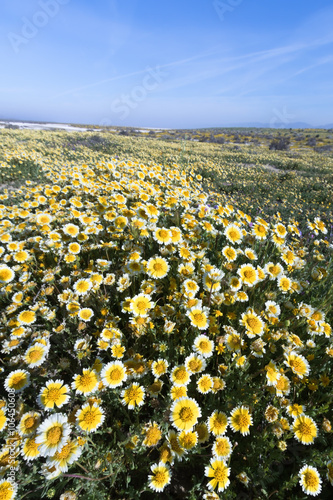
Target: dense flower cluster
135	307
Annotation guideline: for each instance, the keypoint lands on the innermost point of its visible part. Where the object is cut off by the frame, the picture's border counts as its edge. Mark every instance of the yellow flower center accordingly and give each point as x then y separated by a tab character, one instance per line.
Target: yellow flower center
29	422
186	414
35	355
159	368
90	417
65	452
31	446
133	393
141	305
281	384
165	455
222	448
296	365
5	460
115	374
85	314
195	365
83	287
220	474
253	323
86	380
180	374
5	274
160	477
233	234
188	441
219	421
54	435
243	420
305	429
53	394
17	380
310	480
205	384
21	256
204	345
153	436
163	234
27	316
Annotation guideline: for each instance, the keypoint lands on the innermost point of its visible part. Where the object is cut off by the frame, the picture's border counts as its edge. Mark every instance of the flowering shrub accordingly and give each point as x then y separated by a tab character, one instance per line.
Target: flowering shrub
160	343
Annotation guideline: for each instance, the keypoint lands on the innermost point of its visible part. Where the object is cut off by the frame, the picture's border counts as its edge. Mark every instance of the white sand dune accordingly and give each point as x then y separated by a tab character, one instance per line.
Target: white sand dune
63	126
44	126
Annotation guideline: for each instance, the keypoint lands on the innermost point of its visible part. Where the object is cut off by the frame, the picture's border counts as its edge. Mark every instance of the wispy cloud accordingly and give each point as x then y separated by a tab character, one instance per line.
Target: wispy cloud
179	62
253	66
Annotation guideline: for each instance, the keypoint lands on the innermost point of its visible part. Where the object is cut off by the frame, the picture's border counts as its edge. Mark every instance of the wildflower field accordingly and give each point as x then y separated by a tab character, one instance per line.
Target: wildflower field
166	312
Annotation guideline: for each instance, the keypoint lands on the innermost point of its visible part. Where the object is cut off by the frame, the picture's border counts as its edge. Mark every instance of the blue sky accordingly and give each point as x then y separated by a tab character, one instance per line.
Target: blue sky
172	64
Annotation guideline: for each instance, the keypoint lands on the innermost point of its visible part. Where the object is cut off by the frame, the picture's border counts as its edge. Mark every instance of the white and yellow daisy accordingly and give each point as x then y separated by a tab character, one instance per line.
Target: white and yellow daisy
35	355
233	233
86	383
203	346
55	393
141	305
160	477
90	417
199	317
195	363
85	314
29	423
159	367
52	434
17	380
8	489
83	286
310	480
114	374
157	267
248	275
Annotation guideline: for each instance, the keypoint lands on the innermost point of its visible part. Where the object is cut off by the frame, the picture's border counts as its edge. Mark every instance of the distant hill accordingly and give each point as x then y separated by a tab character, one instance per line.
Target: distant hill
276	125
279	125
